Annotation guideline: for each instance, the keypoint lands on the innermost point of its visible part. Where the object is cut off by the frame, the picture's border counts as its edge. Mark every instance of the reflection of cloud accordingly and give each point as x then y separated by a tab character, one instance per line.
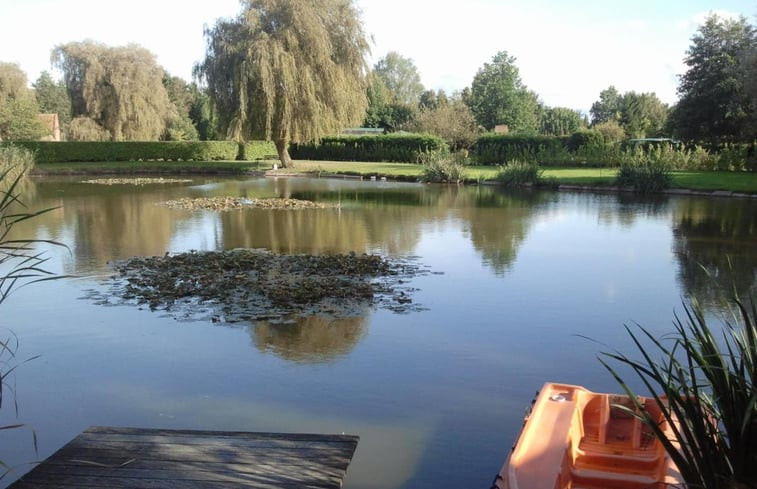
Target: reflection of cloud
387	455
312	339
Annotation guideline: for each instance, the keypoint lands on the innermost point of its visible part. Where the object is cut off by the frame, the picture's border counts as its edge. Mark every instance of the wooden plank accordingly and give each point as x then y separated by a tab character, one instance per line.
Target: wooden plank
136	458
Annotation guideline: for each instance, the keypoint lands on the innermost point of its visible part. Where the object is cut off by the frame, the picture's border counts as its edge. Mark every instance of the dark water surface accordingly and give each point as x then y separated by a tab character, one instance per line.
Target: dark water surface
436	396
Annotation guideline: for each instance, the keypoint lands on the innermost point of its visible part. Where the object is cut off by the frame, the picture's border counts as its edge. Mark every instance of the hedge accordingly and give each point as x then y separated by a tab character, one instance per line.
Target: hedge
81	151
496	149
404	148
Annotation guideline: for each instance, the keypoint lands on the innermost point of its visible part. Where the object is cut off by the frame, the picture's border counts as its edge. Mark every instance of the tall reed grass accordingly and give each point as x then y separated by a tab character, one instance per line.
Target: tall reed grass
704	380
20	264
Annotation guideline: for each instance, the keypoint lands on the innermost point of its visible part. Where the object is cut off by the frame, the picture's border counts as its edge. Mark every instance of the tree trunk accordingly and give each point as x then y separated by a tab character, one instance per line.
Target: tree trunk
282	148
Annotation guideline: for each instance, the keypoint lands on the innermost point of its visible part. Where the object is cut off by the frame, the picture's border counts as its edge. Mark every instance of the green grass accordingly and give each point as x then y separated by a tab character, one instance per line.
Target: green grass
706	181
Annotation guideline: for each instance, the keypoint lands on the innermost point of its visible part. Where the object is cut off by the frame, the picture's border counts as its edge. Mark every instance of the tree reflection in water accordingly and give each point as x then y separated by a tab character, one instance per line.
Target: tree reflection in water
312	339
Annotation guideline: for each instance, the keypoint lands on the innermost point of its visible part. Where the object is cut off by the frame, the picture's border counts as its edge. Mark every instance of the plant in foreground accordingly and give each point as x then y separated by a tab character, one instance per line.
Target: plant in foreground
20	264
706	387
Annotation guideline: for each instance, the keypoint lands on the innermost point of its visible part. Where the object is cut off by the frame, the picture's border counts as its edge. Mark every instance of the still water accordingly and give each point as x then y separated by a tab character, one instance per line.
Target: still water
438	396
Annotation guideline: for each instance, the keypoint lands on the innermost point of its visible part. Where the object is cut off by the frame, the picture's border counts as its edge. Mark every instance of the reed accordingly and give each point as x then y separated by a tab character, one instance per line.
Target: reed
705	384
20	264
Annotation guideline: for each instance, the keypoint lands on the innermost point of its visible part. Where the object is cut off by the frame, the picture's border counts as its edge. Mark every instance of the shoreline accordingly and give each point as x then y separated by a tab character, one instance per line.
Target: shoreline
261	169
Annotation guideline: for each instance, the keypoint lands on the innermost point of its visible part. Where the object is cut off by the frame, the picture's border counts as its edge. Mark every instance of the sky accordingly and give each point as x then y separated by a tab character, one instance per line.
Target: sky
567	51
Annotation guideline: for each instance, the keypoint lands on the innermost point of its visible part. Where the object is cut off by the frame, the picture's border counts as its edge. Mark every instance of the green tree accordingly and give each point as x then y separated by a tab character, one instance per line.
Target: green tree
18	107
52	98
120	89
401	78
452	121
179	126
559	121
714	105
379	112
498	96
608	107
287	71
643	115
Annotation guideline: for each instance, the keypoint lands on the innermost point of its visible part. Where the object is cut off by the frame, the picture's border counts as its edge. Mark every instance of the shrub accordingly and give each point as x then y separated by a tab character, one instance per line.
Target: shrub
442	166
493	149
644	172
518	173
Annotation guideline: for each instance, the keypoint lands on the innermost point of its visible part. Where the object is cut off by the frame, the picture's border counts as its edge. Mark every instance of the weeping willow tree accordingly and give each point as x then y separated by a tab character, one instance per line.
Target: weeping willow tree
287	71
116	91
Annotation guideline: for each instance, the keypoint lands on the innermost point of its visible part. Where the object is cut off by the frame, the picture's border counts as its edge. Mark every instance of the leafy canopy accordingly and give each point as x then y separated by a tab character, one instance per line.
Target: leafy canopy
287	70
498	96
401	78
714	106
18	107
118	90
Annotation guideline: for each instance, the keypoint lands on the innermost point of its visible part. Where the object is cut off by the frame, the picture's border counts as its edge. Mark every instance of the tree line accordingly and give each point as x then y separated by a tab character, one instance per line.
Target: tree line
291	71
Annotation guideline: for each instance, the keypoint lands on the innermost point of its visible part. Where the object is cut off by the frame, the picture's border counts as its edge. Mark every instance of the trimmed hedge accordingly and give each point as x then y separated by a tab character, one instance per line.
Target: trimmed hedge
496	149
403	148
83	151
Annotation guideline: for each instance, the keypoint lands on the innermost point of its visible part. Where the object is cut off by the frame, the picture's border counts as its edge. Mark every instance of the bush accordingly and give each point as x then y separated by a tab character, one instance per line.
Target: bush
644	172
442	166
518	173
80	151
404	148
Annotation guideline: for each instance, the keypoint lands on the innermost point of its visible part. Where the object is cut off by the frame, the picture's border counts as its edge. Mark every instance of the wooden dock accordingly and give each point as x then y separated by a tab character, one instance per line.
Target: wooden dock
104	457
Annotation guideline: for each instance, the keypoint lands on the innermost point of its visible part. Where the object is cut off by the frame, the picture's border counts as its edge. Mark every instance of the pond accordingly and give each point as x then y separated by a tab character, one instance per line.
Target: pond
518	282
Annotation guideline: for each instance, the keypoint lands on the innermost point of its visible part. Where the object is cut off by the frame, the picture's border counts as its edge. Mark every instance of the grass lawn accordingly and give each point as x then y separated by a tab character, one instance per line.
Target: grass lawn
745	182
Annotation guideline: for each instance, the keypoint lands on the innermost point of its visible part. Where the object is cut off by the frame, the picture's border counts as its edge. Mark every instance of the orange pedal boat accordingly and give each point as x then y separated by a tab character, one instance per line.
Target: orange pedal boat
578	439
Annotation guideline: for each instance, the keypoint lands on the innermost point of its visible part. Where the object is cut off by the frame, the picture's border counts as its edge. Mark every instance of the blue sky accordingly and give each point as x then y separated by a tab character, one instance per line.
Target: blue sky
567	52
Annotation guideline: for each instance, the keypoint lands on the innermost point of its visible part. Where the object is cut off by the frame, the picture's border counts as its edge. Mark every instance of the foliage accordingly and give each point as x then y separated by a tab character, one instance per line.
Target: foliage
379	112
388	147
640	115
493	149
498	96
18	107
52	98
441	166
452	121
705	384
610	130
608	107
714	106
180	126
645	172
432	100
287	71
643	115
120	89
401	78
559	121
81	151
516	173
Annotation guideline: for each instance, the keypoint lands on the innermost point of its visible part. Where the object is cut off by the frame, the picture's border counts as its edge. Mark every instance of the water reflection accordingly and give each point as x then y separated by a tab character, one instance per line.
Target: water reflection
103	223
313	339
715	243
